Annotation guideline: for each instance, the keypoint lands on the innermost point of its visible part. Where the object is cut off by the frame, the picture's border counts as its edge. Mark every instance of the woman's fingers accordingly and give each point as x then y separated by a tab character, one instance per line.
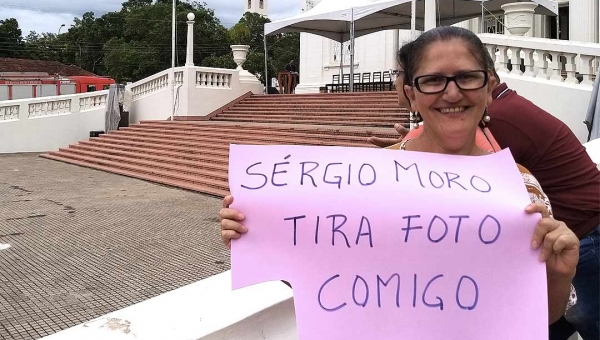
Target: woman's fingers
544	226
539	208
383	142
228	224
548	244
227	201
402	131
231	228
230	214
565	242
228	235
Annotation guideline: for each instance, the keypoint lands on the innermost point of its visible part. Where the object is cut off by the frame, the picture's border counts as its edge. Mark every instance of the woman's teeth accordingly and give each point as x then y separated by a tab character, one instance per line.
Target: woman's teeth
452	109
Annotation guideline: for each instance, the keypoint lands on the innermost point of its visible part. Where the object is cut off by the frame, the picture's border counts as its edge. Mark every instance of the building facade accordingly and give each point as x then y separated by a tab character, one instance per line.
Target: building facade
320	57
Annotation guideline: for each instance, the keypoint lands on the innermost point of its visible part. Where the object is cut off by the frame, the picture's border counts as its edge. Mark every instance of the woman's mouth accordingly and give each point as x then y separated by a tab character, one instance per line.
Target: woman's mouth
457	109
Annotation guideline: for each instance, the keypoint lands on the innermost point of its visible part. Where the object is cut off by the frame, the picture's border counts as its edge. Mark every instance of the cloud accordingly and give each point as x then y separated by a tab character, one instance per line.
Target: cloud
47	15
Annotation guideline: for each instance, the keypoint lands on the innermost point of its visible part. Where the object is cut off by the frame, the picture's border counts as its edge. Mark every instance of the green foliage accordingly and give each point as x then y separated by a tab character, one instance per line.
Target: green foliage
135	42
11	38
239	34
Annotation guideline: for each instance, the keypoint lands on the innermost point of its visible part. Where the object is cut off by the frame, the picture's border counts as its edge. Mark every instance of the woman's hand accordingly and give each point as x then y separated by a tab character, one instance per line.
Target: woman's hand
559	245
385	142
231	228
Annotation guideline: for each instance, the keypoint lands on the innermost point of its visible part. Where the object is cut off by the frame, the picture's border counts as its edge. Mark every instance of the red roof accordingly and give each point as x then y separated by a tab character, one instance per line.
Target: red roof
48	66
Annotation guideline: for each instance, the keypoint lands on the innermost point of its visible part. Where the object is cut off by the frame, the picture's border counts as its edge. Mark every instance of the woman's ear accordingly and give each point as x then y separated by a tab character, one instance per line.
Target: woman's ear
492	83
410	94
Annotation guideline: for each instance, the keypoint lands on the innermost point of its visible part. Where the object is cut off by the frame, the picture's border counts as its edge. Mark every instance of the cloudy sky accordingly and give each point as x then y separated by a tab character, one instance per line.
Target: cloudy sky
48	15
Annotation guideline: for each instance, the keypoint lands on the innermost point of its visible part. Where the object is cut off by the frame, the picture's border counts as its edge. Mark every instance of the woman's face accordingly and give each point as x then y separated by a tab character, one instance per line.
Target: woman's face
451	116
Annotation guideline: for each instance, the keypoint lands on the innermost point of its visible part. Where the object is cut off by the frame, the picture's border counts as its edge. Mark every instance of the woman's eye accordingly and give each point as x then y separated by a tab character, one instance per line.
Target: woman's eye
433	80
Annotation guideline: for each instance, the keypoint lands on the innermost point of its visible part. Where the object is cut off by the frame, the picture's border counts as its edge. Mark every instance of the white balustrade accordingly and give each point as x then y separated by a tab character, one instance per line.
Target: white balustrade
49	108
150	85
558	60
10	112
213	79
179	77
92	102
49	123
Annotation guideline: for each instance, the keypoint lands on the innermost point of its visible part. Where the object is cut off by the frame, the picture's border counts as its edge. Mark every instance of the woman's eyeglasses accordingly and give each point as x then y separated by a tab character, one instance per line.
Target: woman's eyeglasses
431	84
394	74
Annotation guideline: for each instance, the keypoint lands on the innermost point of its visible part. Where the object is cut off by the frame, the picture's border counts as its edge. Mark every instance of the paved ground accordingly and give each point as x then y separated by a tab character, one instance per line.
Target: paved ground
84	243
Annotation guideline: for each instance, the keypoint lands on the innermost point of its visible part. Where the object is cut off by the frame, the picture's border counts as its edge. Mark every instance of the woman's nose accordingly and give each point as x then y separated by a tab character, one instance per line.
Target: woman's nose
452	92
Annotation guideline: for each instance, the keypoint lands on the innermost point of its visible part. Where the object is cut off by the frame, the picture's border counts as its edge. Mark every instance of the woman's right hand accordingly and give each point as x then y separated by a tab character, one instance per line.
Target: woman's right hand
231	228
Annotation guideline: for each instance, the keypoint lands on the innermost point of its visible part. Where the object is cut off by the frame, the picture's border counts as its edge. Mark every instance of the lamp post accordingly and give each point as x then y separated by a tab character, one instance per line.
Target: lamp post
61	26
189	55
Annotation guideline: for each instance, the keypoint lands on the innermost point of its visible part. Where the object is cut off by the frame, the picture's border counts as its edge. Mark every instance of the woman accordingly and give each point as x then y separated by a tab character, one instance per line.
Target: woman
449	85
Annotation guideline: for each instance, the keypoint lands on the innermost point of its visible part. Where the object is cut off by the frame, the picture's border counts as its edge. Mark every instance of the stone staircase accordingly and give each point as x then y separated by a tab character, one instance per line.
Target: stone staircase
194	154
347	109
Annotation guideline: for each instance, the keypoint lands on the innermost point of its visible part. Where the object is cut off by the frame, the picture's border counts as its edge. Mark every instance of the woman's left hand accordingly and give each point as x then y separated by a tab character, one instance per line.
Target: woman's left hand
560	246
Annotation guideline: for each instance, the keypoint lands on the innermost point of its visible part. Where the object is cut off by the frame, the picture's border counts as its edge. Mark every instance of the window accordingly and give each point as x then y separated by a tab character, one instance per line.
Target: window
494	24
91	88
261	4
249	4
335	50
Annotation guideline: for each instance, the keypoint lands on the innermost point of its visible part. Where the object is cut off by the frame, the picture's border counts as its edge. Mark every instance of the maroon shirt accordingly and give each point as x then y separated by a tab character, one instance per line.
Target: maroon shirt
551	152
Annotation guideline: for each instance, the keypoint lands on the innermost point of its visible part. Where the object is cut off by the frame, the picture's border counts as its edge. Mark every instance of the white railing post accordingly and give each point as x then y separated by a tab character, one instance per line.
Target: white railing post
556	66
503	59
588	71
570	68
542	64
515	60
528	62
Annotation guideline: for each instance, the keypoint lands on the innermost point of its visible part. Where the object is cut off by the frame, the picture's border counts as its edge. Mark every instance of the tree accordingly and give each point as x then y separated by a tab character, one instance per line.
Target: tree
11	38
250	31
135	42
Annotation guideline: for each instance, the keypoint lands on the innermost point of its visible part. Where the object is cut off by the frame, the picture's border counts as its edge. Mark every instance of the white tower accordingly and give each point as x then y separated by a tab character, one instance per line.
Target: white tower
308	4
257	6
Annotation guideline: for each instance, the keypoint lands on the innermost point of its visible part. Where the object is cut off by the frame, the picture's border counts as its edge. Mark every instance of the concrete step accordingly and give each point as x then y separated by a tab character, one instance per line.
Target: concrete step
363	112
266	138
216	161
269	101
212	188
342	106
244	127
223	143
325	96
313	121
221	166
193	170
128	145
299	117
220	133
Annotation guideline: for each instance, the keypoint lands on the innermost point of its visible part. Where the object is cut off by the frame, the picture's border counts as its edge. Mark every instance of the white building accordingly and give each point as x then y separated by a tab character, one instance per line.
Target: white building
257	6
320	57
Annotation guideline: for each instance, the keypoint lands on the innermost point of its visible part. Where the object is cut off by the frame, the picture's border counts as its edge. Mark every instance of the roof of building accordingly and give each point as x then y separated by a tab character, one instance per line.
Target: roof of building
14	65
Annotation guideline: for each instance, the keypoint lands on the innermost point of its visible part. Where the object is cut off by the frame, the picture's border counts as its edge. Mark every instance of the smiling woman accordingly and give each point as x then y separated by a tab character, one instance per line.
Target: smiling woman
448	82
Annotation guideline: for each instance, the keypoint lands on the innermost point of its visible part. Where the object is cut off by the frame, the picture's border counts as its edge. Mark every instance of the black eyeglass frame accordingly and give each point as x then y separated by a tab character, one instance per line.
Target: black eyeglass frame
394	74
449	79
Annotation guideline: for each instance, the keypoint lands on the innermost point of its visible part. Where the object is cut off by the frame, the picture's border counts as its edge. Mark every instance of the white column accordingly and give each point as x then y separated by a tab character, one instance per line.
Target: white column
463	24
583	20
189	56
430	15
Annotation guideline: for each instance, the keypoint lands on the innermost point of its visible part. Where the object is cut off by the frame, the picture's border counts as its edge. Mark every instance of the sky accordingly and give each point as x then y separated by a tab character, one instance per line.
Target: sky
49	15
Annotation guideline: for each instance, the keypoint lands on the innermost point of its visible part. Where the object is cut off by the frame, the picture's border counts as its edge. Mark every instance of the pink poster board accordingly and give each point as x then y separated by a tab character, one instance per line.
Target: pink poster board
386	244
